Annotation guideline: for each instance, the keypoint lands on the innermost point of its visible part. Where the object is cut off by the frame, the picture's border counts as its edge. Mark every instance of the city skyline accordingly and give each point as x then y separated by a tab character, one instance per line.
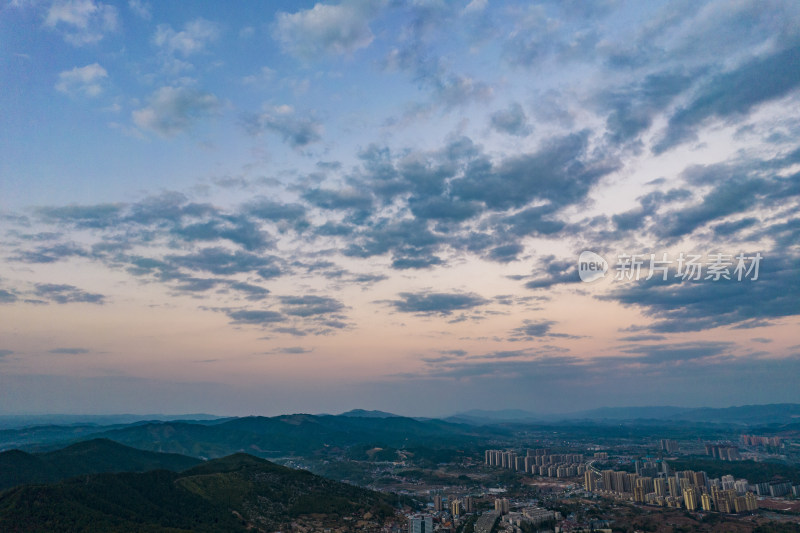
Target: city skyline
314	207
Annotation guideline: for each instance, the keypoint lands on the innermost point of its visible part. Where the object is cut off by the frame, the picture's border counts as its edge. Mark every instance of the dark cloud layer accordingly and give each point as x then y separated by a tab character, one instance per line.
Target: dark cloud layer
680	306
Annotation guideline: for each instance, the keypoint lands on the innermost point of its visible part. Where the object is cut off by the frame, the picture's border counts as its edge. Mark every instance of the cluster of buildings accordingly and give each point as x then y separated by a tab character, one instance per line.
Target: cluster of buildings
486	522
776	489
513	521
686	489
756	440
668	445
538	462
723	452
531	515
457	507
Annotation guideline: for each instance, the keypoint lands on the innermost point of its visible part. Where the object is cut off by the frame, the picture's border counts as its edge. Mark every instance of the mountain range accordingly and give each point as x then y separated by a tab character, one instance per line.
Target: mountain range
289	434
303	434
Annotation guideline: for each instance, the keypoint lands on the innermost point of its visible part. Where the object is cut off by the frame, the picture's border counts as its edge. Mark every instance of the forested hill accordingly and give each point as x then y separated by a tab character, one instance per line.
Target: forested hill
88	457
235	493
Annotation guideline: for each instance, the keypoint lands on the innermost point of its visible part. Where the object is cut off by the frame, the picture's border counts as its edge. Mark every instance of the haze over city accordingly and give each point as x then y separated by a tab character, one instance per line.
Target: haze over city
283	207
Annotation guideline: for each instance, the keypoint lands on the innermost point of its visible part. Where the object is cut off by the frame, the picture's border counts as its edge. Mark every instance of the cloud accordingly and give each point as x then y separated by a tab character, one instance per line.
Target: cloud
457	353
92	216
476	6
512	121
305	306
251	292
325	29
734	227
678	306
448	89
84	80
169	207
5	353
141	9
191	284
411	242
265	209
733	188
254	316
732	196
443	208
531	221
173	110
734	94
346	198
649	205
293	350
560	172
415	262
237	229
82	22
505	253
265	76
69	351
555	272
436	303
561	32
221	261
640	338
291	331
7	297
677	353
64	294
296	131
632	109
194	37
537	329
51	253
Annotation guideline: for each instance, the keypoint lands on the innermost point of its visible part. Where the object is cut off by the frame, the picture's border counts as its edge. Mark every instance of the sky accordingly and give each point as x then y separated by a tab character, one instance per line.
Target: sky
278	207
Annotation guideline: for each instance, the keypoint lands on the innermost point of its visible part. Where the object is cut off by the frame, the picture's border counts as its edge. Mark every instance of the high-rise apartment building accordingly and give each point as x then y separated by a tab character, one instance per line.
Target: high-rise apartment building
705	502
437	503
690	498
469	504
456	508
420	524
674	491
660	486
501	505
608	479
589	481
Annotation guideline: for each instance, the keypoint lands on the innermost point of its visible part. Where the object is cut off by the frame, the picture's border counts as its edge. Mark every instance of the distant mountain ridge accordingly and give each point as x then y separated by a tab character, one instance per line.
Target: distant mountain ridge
20	421
297	434
784	413
86	457
363	413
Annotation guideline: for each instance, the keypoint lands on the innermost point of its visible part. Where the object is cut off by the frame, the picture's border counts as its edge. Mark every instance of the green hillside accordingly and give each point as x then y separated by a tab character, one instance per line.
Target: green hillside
235	493
88	457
